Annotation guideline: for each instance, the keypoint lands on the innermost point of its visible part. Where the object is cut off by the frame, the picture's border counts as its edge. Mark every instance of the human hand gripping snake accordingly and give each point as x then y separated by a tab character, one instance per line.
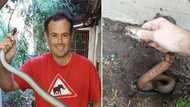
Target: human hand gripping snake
52	100
153	79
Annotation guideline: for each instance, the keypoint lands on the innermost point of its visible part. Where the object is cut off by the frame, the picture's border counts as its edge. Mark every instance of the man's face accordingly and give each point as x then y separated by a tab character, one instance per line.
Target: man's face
59	37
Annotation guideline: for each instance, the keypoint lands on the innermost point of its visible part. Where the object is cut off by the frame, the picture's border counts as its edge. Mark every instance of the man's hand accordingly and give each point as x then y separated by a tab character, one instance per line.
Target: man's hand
9	47
165	36
7	82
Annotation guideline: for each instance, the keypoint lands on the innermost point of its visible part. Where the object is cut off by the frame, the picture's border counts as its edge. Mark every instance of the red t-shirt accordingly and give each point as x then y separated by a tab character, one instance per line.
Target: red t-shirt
75	83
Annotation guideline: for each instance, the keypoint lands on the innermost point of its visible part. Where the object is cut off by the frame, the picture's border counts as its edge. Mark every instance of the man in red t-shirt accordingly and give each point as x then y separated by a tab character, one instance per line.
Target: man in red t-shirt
65	75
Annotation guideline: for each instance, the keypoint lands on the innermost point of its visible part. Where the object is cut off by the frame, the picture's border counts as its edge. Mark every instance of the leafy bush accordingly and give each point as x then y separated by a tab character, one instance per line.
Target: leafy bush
183	102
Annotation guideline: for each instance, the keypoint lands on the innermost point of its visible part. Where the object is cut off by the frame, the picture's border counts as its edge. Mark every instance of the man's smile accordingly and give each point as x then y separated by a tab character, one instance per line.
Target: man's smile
60	47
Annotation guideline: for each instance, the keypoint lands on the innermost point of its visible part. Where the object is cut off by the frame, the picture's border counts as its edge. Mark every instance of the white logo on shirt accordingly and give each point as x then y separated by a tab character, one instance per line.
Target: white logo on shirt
60	88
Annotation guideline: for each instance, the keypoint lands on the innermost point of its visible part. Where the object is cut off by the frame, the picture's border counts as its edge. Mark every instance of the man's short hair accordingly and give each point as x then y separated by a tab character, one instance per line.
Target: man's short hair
56	17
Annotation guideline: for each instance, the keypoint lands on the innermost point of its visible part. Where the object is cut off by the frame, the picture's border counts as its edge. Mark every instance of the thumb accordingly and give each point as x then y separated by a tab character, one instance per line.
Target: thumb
145	35
1	46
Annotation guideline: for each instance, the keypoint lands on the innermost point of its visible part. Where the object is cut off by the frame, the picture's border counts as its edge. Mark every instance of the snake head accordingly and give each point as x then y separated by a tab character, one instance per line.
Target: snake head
14	31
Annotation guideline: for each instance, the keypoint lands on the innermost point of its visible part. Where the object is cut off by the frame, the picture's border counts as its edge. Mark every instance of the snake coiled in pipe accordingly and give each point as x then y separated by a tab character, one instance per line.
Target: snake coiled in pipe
154	80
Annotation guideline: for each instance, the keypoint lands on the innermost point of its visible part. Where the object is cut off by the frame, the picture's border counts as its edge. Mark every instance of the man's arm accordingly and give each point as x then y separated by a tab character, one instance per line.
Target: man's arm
97	104
7	82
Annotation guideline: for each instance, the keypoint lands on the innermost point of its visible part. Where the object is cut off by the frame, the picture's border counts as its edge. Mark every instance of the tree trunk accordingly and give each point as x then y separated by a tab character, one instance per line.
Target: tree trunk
2	3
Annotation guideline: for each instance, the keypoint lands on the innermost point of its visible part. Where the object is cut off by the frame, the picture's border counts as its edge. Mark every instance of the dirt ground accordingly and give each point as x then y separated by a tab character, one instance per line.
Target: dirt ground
125	60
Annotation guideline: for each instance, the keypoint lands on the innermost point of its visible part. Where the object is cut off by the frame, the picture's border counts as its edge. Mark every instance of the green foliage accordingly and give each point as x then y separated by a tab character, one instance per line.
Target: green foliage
14	1
183	102
19	99
79	41
3	29
41	9
22	54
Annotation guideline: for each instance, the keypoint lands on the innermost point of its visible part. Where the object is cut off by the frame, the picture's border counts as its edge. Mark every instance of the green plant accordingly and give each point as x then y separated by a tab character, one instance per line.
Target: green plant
183	102
18	98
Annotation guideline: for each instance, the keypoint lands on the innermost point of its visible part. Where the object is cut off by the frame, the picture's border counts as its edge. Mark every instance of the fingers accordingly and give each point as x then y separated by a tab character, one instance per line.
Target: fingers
8	44
149	32
148	36
156	46
1	46
151	25
154	24
145	35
